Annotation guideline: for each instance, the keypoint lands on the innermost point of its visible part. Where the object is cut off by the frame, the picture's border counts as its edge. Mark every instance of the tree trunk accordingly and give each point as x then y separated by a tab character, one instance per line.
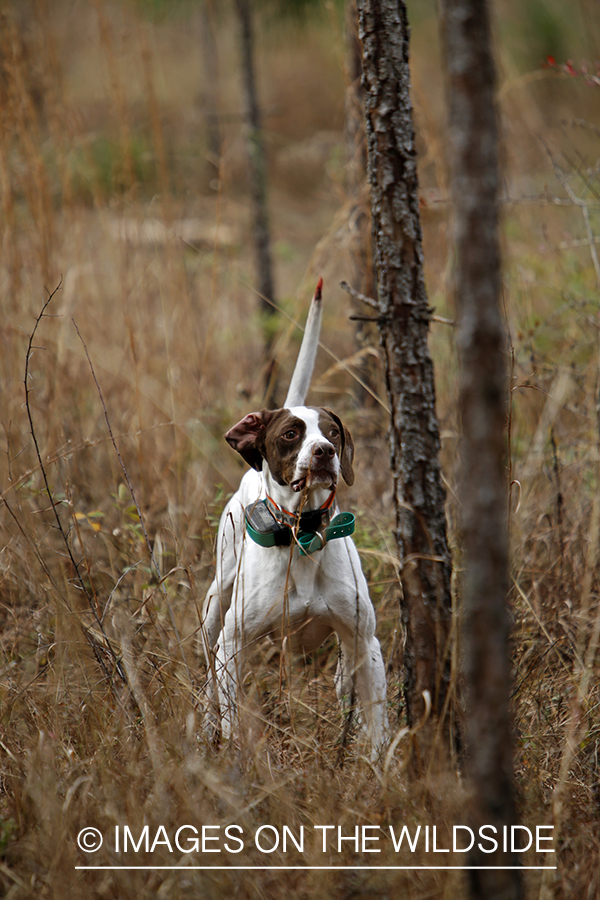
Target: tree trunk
258	176
404	323
483	408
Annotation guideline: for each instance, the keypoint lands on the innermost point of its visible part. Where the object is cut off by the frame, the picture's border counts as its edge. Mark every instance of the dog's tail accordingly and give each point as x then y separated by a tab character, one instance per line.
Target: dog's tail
305	363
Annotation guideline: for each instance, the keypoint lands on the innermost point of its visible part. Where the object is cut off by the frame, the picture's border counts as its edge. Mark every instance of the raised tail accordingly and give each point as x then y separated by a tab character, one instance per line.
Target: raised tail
305	363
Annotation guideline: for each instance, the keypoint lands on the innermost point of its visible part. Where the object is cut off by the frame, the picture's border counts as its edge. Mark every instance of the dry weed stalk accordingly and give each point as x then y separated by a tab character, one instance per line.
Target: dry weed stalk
88	595
137	506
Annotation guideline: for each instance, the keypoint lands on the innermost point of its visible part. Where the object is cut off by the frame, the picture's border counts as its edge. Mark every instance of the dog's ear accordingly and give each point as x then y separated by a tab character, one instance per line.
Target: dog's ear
346	448
247	437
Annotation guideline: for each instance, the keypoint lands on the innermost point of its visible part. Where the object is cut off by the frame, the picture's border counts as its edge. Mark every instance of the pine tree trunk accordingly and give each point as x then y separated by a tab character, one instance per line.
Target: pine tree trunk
483	408
404	316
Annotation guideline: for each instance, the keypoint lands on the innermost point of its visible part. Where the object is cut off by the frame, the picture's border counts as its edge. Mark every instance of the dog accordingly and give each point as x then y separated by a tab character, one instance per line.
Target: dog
286	564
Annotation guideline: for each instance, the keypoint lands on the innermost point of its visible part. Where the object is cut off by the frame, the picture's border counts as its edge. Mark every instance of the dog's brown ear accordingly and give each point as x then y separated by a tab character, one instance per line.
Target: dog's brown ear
247	437
346	448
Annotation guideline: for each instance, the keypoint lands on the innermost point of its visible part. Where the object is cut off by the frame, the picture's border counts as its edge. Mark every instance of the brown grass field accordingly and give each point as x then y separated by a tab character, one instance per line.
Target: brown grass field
113	204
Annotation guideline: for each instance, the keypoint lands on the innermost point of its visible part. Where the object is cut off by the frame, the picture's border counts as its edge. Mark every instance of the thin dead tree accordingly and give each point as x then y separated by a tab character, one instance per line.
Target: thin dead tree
483	408
403	316
353	101
256	151
258	188
210	95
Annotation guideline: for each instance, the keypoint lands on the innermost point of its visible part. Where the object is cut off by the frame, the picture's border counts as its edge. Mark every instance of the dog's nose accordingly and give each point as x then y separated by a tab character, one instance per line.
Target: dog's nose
325	451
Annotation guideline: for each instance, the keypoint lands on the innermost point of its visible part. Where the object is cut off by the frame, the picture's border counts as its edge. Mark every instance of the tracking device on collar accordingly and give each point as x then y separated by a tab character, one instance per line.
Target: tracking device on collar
261	522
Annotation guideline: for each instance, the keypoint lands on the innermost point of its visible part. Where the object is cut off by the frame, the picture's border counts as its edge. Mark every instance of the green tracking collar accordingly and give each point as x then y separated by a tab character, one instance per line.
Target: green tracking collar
264	529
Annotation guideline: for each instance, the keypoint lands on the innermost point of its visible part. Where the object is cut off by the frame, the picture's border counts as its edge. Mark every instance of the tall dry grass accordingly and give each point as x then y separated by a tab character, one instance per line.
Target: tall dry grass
102	682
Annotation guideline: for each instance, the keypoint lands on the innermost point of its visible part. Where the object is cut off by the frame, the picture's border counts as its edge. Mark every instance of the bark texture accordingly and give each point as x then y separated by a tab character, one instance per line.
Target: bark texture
404	324
483	408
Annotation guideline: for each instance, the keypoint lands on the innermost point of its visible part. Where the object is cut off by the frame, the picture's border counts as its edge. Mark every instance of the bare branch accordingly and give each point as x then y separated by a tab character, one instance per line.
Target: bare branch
358	296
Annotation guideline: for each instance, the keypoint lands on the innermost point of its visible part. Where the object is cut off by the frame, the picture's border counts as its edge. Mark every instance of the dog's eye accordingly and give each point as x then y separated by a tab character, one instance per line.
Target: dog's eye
290	435
334	432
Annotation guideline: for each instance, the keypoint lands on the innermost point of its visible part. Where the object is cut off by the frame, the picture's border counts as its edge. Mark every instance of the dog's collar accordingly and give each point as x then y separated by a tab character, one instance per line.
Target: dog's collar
271	526
311	520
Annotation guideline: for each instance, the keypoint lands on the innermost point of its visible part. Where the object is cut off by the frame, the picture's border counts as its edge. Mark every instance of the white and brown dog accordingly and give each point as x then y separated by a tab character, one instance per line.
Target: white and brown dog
286	566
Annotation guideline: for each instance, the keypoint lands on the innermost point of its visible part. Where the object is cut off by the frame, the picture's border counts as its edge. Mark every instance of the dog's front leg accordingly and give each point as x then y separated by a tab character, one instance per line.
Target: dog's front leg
361	668
230	542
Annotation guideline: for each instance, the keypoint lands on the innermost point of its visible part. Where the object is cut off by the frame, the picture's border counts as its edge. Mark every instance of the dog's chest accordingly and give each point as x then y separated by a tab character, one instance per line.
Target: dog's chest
296	611
282	570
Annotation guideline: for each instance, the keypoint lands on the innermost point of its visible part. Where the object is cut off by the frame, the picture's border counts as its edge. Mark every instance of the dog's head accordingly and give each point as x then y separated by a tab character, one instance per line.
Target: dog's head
303	446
